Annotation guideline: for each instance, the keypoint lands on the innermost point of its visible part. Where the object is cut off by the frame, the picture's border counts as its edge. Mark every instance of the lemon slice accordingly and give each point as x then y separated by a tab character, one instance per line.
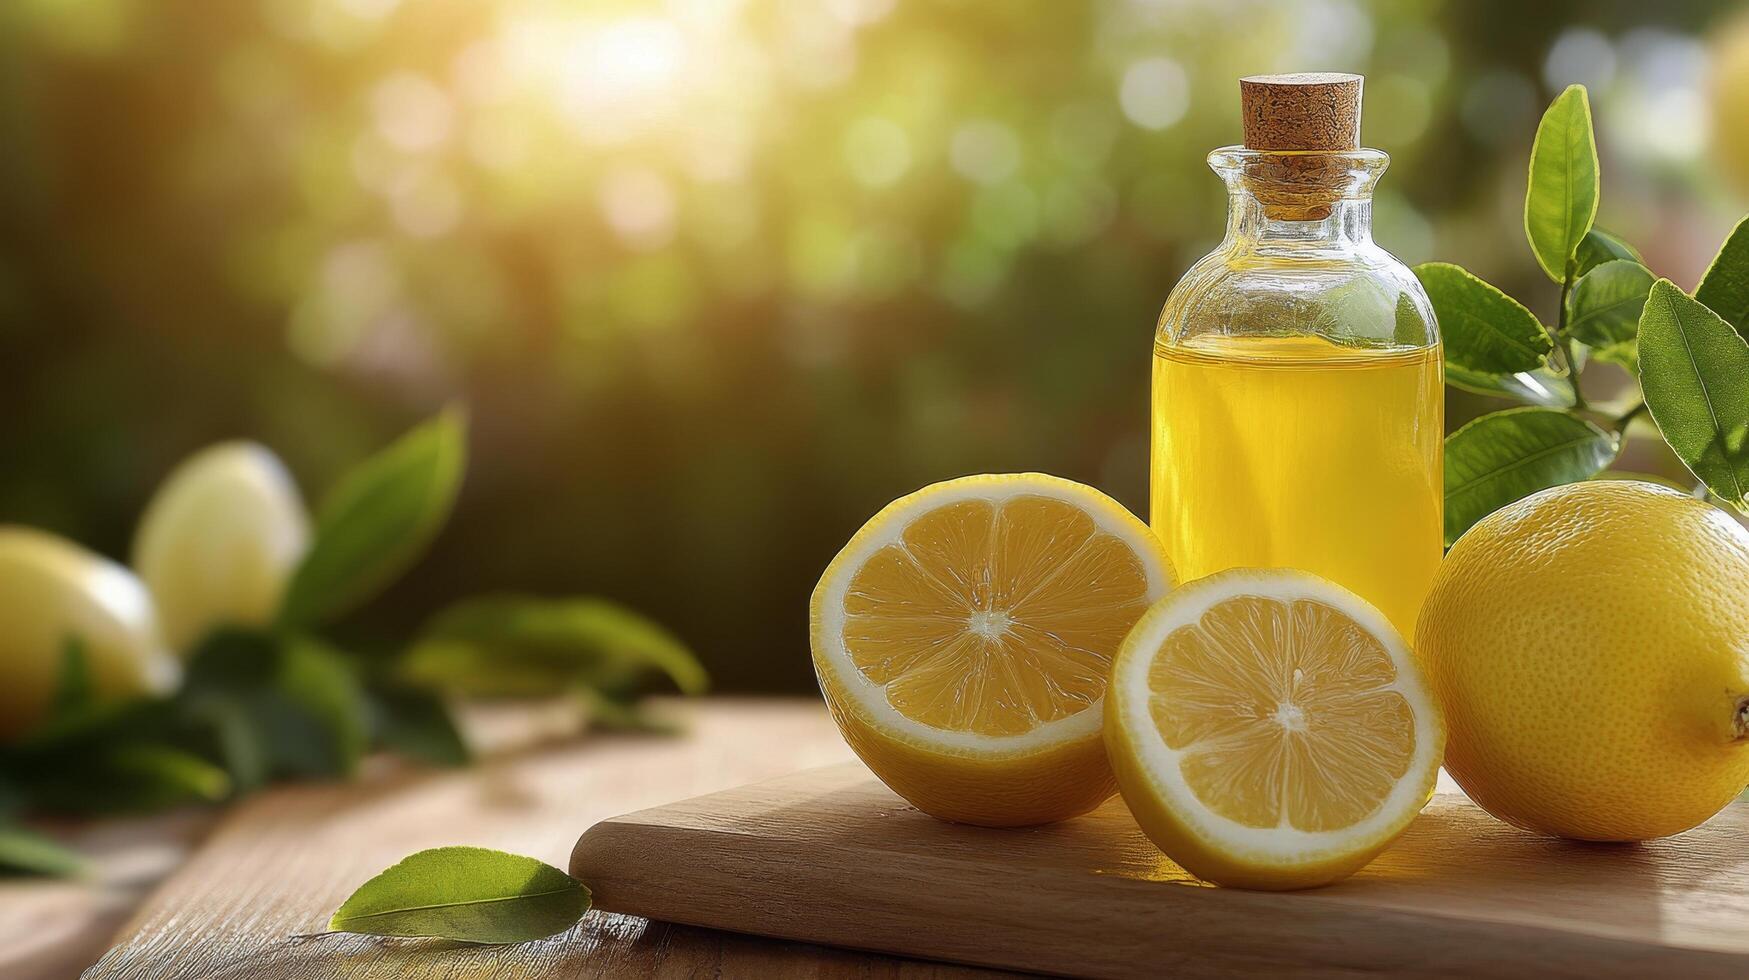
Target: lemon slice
964	636
1269	729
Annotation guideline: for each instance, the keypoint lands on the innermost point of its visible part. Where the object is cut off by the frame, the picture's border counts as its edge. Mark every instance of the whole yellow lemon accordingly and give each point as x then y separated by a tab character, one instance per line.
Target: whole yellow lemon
1590	644
219	541
51	592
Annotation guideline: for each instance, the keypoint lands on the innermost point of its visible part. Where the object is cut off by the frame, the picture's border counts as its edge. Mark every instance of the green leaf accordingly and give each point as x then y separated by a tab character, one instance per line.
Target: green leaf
240	742
1600	246
130	778
470	894
323	727
1693	368
1502	457
27	852
74	694
1560	200
1483	330
1725	287
1626	356
1540	387
1603	307
378	521
418	724
517	645
278	705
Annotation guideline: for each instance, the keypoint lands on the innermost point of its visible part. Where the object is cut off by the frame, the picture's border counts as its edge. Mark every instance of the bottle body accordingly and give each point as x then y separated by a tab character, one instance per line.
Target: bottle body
1297	406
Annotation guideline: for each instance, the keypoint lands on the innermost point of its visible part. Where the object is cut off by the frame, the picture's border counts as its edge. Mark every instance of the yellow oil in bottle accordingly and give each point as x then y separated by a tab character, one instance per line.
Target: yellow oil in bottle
1296	452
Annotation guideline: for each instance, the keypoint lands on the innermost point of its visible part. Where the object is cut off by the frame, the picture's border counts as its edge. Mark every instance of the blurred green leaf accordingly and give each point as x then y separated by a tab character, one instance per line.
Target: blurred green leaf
1499	458
1540	387
470	894
1626	356
240	743
28	852
1693	367
418	724
74	694
517	645
320	721
1484	330
1603	307
1599	246
279	705
129	777
616	715
1560	199
1725	287
378	521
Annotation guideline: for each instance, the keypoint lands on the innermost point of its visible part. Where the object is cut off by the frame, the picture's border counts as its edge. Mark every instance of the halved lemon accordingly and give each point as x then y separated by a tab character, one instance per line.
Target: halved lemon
964	636
1270	729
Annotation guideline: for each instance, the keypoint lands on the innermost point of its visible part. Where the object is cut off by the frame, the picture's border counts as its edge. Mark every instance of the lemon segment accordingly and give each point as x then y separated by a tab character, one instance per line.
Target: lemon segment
1269	729
963	638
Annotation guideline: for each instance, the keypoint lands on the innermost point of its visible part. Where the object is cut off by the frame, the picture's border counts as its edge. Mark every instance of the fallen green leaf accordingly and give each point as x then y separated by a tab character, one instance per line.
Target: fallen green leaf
1484	331
1560	199
1603	307
1499	458
470	894
1725	287
1693	367
378	521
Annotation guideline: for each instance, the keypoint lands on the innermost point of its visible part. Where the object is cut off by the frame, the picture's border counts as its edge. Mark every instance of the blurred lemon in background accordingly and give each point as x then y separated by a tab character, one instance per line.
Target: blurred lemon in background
1730	99
219	541
54	593
1590	644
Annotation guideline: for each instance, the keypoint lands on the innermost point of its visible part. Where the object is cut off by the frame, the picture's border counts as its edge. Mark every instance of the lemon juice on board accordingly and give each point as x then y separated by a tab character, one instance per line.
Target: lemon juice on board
1297	403
1293	452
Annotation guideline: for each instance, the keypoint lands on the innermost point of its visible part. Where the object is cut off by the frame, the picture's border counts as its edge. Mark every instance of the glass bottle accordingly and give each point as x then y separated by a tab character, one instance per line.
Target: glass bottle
1298	411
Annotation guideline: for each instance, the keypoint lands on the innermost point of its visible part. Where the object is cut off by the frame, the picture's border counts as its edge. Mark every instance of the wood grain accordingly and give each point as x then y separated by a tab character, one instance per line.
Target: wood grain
832	856
246	905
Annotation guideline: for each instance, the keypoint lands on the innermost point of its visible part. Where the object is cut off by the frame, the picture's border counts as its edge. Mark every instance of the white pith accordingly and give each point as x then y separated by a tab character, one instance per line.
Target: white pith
1282	844
888	528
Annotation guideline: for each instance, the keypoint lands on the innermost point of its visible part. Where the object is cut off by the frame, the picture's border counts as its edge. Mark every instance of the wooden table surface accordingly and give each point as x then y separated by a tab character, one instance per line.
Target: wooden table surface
247	899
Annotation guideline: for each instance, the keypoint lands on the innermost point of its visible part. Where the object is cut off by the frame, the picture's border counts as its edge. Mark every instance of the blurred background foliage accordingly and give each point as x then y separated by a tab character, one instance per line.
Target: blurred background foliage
719	278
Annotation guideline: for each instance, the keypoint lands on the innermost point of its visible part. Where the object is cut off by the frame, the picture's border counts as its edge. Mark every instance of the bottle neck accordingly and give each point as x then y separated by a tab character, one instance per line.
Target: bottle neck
1298	202
1342	224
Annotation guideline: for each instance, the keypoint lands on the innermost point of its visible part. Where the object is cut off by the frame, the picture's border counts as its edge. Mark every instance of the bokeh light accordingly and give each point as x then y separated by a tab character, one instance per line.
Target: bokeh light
719	277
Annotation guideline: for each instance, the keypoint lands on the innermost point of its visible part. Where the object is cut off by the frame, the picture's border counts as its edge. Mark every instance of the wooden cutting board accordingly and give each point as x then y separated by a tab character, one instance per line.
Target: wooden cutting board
831	856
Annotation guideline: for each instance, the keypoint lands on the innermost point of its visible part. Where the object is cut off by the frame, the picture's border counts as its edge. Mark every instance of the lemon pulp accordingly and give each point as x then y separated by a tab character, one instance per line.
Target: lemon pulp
1283	713
994	618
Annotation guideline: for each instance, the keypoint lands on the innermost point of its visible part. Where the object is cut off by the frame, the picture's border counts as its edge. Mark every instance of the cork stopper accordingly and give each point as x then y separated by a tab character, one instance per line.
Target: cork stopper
1304	116
1304	111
